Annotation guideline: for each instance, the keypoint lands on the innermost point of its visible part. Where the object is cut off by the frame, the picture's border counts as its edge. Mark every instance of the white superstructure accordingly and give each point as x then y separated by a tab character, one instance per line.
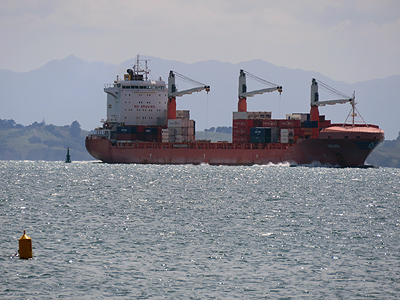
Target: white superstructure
137	100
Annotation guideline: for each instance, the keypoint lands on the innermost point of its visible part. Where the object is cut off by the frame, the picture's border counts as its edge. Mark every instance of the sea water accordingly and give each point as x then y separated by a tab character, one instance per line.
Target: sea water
199	232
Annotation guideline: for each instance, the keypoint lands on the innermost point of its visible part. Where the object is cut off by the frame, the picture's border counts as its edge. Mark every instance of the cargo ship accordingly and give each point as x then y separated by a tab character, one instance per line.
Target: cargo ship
143	126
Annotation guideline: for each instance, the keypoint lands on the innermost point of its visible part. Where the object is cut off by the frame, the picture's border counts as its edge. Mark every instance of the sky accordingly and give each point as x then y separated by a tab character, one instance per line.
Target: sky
346	40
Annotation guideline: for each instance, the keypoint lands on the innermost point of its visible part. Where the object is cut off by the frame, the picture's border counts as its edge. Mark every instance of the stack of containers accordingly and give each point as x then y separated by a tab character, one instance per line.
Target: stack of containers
289	130
165	135
264	135
140	135
287	135
241	127
324	123
137	133
152	134
126	133
310	127
181	130
258	117
244	121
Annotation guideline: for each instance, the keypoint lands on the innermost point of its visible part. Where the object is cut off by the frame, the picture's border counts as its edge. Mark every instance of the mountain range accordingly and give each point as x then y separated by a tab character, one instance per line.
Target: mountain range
67	90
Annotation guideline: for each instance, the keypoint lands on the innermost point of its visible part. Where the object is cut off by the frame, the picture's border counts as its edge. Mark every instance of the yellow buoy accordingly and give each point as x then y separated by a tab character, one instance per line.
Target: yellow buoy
25	247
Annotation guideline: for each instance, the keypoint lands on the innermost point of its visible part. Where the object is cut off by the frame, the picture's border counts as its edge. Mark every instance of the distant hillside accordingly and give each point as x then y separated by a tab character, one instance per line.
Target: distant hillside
39	141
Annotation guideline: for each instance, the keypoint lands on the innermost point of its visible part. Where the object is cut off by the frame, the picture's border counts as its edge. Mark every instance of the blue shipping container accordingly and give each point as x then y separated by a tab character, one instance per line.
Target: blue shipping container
151	130
260	131
127	129
310	124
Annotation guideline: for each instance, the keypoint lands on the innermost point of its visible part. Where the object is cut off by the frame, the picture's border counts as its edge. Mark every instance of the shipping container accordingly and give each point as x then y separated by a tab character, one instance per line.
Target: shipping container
151	138
260	131
126	129
183	114
240	115
284	139
241	139
310	124
298	116
126	136
259	115
325	124
178	123
259	139
289	123
165	131
257	123
241	130
242	123
307	131
269	123
287	132
140	129
287	140
151	131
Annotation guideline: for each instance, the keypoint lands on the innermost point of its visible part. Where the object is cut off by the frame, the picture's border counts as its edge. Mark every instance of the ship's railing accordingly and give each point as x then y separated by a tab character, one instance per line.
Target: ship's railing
195	145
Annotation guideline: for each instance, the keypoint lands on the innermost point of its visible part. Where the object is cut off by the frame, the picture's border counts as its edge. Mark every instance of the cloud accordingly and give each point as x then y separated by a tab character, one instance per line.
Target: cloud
351	41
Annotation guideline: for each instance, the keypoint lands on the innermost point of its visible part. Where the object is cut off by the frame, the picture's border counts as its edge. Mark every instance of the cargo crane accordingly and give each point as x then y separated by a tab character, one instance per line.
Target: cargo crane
173	92
243	94
315	102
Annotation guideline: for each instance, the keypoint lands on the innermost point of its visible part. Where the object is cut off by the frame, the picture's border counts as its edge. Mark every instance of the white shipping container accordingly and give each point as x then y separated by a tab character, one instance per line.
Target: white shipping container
252	115
172	123
284	139
240	115
183	114
298	116
284	132
179	123
259	115
179	138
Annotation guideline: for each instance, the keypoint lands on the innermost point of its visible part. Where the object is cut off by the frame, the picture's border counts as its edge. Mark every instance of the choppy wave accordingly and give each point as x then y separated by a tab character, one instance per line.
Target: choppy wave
167	232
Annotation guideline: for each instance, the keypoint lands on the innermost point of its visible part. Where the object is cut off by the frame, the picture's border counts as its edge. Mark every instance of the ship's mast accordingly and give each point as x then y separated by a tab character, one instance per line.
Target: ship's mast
136	73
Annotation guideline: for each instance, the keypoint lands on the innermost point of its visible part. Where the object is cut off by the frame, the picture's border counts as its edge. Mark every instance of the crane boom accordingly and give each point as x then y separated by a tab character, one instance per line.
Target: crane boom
243	93
315	97
173	91
261	91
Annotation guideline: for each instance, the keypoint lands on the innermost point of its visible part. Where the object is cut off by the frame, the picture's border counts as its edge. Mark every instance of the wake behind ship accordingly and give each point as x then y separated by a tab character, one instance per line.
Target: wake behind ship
144	127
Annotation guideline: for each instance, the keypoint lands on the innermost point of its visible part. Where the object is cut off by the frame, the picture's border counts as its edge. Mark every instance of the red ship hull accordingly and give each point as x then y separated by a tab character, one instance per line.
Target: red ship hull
335	146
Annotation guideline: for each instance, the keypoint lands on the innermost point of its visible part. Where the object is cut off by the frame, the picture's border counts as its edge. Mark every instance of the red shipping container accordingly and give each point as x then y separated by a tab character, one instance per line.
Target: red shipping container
269	123
257	123
126	137
151	138
289	123
327	123
242	123
140	128
241	131
296	131
241	139
308	131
